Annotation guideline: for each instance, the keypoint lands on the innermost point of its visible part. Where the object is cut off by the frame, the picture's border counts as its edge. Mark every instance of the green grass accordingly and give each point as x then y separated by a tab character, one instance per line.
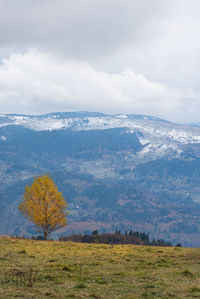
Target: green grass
38	269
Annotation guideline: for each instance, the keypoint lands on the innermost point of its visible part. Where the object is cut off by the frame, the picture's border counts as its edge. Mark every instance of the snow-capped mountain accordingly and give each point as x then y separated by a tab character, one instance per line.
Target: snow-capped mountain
116	171
158	137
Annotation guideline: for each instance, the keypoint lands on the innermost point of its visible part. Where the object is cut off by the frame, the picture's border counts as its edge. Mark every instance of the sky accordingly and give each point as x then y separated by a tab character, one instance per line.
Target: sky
110	56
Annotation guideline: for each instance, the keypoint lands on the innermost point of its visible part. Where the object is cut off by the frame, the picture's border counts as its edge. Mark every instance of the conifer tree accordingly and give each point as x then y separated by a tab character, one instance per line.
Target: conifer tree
44	205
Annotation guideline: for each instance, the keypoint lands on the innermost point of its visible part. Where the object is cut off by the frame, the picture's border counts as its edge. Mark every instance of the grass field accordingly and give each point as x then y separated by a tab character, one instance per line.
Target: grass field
39	269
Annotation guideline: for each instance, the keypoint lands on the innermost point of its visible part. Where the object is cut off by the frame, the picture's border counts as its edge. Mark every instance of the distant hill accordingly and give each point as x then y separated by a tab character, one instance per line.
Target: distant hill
122	172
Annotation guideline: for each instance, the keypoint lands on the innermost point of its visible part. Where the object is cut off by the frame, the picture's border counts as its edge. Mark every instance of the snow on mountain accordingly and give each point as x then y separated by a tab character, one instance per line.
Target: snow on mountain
155	134
150	164
3	138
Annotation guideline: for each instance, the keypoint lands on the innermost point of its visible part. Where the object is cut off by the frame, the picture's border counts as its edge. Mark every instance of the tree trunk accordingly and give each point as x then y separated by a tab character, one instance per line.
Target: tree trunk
45	235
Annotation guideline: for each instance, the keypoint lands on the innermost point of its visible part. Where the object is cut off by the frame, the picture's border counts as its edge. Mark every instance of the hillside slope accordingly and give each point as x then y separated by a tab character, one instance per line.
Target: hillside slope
116	172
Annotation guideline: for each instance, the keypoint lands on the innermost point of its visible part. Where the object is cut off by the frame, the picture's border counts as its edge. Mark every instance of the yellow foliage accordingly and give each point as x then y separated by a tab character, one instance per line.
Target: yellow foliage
44	205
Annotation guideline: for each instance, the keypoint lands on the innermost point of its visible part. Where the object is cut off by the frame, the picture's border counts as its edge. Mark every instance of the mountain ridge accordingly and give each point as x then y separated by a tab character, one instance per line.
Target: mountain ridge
154	162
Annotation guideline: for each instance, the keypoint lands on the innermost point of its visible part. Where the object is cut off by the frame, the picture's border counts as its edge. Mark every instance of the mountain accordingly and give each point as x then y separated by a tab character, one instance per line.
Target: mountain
116	172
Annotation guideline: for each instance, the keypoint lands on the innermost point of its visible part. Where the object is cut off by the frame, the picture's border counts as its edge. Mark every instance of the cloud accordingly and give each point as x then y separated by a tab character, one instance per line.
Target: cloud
159	39
84	29
112	56
38	82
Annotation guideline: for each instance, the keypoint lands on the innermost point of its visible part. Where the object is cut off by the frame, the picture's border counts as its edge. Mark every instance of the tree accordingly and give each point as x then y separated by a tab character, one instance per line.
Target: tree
44	205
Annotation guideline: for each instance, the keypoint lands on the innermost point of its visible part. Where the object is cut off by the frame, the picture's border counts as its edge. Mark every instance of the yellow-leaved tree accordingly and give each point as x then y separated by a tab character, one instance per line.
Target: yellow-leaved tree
44	205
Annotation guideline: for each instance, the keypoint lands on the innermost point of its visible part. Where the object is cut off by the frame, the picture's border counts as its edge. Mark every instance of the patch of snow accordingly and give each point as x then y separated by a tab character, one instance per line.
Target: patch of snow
3	138
122	116
5	124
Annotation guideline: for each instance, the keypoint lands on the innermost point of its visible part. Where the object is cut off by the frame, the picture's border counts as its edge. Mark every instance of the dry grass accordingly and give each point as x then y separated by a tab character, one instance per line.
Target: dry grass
38	269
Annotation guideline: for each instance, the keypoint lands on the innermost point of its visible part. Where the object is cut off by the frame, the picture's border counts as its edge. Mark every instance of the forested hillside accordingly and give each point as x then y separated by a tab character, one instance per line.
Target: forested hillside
126	172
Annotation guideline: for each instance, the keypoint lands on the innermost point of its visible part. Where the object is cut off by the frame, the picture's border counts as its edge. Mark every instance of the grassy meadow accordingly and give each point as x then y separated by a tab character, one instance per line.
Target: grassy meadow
49	269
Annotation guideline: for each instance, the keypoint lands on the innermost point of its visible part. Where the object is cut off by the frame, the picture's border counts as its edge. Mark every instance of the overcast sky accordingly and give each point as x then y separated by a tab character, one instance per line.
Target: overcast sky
113	56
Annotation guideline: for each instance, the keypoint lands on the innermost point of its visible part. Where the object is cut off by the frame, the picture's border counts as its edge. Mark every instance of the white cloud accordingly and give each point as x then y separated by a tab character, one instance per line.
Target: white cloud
78	28
37	82
114	56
